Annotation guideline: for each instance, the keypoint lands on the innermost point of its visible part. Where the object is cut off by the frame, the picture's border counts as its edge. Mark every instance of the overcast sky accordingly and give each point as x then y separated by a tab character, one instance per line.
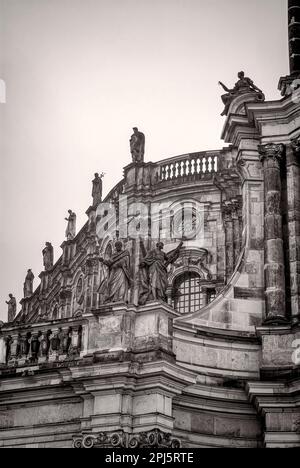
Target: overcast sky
81	73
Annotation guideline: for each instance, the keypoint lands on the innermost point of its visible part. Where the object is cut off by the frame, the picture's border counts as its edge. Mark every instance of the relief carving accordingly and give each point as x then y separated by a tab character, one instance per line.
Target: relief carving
153	439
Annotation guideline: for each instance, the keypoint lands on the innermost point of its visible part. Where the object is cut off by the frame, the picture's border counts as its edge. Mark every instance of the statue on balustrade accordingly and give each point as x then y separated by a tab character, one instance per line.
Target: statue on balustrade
48	256
28	285
12	308
244	85
137	146
116	286
97	189
154	273
71	227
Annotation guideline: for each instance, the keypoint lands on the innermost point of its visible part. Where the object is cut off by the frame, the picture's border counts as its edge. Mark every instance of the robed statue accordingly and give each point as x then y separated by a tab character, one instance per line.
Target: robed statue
12	308
48	256
244	85
116	285
28	284
71	226
137	146
97	189
154	273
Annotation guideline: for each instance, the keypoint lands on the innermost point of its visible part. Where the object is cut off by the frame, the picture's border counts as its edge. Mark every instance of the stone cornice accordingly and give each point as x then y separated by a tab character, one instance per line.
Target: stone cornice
282	112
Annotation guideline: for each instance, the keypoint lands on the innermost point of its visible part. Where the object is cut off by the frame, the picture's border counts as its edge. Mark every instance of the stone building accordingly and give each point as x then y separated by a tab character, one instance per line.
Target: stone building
195	343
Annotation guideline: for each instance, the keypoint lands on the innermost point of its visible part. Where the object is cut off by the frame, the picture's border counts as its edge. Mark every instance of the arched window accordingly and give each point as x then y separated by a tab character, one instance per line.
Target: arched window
187	296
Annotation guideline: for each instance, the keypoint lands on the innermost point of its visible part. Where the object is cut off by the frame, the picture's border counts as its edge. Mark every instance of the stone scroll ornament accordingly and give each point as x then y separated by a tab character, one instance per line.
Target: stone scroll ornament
119	439
243	86
154	273
115	286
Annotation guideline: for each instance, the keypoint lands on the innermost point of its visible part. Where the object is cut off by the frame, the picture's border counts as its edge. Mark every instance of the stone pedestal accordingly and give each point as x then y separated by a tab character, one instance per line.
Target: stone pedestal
134	373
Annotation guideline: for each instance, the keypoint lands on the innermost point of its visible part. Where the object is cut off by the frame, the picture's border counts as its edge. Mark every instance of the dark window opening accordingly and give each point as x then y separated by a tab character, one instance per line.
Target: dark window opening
187	296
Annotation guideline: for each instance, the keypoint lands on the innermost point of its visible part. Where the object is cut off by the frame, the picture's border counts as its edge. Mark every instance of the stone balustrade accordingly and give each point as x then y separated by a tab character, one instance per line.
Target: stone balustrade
193	166
40	343
100	333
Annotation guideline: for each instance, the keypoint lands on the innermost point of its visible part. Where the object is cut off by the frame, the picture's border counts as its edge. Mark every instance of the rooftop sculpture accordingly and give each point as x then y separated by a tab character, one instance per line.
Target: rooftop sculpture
243	86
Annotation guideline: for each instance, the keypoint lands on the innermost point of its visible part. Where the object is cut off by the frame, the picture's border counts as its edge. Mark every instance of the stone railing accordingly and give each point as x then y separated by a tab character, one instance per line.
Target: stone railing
191	166
109	330
40	343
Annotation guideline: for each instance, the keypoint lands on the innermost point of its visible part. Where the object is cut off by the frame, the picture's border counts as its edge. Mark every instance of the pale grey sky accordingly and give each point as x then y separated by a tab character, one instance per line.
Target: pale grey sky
81	73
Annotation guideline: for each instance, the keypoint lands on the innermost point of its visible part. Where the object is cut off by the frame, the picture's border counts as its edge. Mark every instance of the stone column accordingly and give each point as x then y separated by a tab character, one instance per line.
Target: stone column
227	213
271	156
294	36
293	190
236	231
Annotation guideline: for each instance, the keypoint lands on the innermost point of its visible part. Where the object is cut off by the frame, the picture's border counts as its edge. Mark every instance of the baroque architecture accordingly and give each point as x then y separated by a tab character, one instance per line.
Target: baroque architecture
177	326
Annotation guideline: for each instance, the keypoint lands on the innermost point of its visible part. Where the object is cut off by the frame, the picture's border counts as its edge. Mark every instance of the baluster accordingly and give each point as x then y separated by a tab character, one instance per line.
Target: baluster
76	341
188	167
216	164
35	344
182	168
163	173
45	346
204	168
176	170
198	166
172	171
209	164
55	345
167	172
192	167
24	348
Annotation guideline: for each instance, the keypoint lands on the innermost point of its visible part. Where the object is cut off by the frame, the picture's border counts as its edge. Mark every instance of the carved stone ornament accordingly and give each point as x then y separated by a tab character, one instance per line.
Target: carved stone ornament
296	145
271	150
119	439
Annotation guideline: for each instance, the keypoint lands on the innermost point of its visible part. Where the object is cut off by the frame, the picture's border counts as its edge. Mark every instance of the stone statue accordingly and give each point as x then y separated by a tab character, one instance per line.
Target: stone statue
154	274
97	189
28	285
243	86
71	227
116	286
48	256
137	146
12	308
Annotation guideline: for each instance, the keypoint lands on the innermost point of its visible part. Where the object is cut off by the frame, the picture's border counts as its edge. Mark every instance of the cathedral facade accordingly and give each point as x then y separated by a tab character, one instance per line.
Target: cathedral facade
172	317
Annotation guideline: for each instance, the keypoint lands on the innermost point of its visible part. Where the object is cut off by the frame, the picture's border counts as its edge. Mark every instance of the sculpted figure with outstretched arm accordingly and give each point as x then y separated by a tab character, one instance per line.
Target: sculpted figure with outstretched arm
154	273
242	86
